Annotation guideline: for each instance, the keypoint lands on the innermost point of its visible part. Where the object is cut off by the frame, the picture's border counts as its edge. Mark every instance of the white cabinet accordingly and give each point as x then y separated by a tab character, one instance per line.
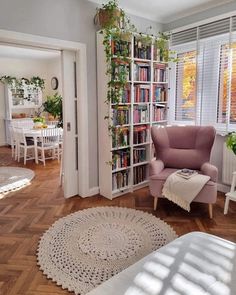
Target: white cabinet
21	104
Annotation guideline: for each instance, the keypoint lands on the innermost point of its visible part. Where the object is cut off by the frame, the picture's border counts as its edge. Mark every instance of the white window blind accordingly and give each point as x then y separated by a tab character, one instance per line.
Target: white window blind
203	88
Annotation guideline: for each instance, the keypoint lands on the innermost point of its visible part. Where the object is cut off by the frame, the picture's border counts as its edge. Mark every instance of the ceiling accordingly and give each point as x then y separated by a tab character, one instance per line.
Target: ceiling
165	11
27	53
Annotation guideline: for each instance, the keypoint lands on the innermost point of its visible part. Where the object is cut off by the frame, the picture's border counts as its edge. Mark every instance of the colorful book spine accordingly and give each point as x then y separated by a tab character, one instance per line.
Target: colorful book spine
120	159
141	93
159	94
142	72
120	115
141	50
140	114
121	48
139	155
159	73
120	180
159	113
139	174
140	134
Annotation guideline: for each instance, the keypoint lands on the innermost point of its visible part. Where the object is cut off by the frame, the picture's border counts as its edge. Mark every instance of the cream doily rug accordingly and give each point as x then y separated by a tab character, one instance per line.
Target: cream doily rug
84	249
12	178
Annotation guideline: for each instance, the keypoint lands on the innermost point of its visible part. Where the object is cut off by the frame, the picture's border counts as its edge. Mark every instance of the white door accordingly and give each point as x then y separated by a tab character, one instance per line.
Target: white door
70	124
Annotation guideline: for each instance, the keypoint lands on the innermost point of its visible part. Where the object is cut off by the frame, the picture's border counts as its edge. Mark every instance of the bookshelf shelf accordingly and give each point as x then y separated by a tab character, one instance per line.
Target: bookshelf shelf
140	164
120	169
142	104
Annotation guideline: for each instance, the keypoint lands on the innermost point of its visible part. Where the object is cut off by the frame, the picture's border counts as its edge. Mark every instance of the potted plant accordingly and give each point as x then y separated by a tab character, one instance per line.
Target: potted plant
53	106
38	122
109	16
231	142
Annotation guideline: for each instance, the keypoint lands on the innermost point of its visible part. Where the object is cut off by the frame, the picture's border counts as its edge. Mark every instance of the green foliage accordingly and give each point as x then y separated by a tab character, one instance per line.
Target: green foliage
13	82
53	105
231	142
162	43
39	120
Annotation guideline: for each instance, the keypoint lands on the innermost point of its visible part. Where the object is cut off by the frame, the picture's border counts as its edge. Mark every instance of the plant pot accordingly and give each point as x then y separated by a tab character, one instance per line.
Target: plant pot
106	18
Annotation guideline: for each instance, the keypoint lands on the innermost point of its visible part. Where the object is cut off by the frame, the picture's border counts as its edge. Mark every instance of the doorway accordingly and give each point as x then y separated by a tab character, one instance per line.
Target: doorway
74	90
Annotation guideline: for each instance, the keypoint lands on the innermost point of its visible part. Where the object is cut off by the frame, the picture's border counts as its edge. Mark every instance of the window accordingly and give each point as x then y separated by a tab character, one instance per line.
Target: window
185	98
224	80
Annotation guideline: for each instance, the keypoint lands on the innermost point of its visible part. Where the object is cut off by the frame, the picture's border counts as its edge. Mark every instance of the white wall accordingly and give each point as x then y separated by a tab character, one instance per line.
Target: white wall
27	68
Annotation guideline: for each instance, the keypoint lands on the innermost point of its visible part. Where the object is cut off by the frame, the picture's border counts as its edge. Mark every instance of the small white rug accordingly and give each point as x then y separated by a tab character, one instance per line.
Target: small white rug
12	178
84	249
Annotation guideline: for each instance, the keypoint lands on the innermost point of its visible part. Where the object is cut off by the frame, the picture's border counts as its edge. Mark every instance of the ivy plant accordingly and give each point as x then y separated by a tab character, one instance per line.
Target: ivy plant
231	142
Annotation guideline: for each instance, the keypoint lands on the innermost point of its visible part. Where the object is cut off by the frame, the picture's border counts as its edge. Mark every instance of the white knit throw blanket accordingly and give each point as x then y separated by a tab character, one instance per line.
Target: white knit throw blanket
182	191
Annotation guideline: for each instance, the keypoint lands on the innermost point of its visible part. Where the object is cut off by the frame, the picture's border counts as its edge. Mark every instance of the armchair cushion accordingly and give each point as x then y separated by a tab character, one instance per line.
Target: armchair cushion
210	170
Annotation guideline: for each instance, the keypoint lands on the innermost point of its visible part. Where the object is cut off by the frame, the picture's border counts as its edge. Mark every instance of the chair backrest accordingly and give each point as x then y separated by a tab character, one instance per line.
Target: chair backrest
19	135
183	146
50	136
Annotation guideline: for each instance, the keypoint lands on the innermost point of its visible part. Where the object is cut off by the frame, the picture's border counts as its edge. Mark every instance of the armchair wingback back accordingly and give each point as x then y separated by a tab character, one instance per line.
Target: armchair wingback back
183	146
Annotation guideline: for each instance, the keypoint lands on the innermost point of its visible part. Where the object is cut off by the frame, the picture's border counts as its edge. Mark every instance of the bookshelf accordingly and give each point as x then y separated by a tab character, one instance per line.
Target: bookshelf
126	150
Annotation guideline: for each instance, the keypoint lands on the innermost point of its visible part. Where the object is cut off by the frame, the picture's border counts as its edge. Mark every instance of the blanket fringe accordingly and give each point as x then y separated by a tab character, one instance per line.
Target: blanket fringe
176	199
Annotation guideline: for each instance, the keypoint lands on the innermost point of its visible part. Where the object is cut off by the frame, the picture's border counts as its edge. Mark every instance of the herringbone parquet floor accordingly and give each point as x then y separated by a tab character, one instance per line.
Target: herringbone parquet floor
27	213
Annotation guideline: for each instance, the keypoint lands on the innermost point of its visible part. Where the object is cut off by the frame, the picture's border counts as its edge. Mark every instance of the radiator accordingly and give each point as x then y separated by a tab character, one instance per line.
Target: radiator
229	165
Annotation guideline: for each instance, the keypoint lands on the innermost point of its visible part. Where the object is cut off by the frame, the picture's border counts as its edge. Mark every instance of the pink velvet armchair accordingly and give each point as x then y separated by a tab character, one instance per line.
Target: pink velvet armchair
180	147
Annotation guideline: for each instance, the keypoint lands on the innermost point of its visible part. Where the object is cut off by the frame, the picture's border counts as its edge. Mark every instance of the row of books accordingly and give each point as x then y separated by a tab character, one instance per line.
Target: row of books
159	93
120	137
139	174
142	72
159	113
120	159
141	50
141	114
141	93
139	155
159	74
140	134
120	115
121	48
120	179
124	95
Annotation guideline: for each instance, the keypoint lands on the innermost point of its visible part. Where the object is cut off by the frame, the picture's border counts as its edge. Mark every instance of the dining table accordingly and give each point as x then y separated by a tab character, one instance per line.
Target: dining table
36	134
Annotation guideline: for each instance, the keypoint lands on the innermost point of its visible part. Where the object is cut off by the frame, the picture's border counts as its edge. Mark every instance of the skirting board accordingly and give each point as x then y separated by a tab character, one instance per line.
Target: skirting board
220	187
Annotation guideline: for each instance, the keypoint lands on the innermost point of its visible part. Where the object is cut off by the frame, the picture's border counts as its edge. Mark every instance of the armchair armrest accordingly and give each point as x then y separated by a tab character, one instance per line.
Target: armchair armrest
210	170
155	167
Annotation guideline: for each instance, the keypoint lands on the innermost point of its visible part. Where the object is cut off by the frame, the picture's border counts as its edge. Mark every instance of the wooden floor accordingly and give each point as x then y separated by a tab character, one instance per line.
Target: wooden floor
27	213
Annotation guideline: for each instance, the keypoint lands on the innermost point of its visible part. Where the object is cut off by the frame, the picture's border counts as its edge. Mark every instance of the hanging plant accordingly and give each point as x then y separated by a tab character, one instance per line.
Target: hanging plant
38	82
9	80
231	142
161	44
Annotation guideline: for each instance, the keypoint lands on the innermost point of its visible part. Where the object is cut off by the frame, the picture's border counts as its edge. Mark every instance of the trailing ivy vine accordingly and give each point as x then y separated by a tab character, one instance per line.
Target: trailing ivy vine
13	82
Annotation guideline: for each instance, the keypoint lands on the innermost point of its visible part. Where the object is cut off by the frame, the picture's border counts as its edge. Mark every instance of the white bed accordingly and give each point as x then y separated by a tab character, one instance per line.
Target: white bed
194	264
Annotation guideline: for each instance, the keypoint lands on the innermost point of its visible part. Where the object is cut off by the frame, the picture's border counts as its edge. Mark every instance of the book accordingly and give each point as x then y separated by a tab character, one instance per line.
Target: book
187	173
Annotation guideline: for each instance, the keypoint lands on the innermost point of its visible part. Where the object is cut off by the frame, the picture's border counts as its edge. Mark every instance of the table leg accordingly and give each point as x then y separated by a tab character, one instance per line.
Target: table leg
35	150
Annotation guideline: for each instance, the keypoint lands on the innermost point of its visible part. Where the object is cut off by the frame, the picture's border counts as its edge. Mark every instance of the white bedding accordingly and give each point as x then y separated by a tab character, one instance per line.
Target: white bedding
194	264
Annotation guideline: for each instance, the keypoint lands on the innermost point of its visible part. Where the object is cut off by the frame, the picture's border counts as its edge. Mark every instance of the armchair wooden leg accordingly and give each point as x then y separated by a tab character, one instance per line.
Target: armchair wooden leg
155	203
210	208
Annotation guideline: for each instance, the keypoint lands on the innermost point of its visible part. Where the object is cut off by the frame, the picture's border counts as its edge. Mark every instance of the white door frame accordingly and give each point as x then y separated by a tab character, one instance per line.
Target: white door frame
17	38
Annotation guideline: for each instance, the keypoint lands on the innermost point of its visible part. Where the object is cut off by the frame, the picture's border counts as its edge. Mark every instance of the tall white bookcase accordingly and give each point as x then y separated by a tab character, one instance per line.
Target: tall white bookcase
130	173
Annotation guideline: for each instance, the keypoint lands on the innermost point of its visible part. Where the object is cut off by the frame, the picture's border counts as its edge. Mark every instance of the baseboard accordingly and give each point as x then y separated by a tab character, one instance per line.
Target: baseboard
224	188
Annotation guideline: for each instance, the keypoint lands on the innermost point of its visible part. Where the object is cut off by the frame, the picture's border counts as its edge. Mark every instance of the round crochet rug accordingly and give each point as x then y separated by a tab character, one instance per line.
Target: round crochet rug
12	178
86	248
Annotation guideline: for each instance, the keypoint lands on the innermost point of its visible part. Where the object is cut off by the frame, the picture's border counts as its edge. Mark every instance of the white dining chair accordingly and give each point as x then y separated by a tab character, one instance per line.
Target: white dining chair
24	145
13	142
48	141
